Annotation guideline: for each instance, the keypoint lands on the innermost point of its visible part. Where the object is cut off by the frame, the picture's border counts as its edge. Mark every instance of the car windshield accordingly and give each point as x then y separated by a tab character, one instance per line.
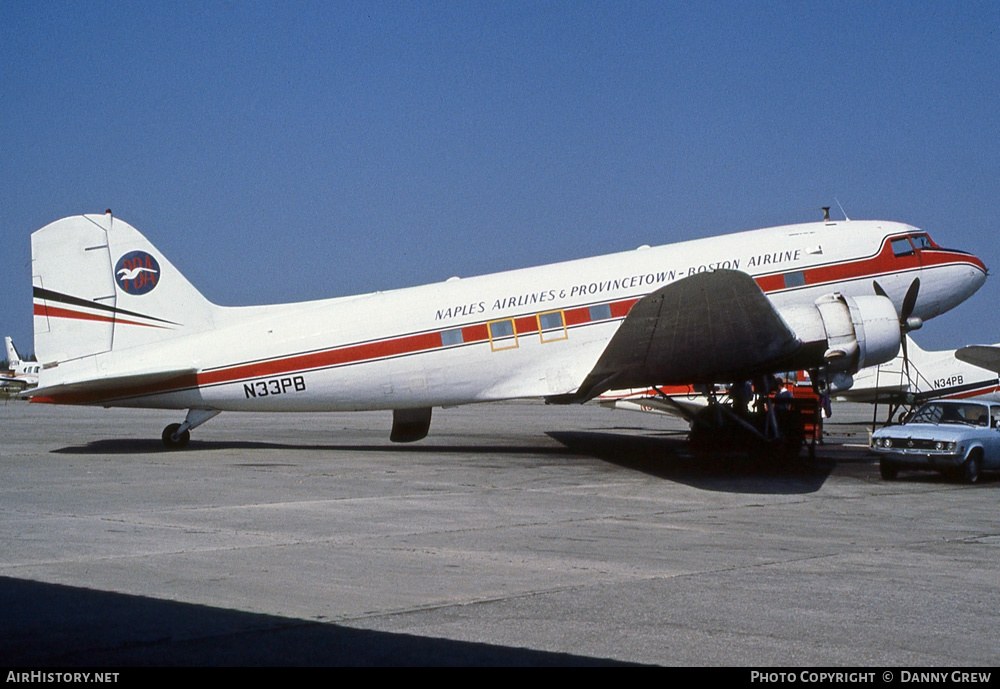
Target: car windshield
939	412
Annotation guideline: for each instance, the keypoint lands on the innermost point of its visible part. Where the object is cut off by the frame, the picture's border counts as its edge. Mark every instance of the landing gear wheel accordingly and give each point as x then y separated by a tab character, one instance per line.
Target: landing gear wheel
172	440
887	470
970	469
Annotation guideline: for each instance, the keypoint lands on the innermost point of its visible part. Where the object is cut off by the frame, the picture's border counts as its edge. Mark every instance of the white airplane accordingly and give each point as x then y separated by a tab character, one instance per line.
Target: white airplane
827	296
22	374
924	375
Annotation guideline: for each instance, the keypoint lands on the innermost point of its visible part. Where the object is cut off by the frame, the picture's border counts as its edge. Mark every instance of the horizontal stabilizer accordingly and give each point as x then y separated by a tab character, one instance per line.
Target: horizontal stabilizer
983	356
95	390
711	327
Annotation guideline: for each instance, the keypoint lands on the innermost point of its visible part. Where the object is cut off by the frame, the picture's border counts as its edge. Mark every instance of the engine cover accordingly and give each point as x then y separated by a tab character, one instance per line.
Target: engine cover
851	332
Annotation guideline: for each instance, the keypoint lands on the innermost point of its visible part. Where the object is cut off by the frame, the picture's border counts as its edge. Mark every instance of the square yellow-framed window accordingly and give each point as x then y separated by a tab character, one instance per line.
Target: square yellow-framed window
502	334
551	326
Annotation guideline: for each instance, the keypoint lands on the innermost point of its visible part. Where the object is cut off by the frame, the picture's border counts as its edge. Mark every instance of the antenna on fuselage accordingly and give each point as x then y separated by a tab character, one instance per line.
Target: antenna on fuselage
841	209
826	214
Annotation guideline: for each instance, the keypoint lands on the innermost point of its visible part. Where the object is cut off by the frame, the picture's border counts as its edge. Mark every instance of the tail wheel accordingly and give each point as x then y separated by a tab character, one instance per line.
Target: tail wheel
173	440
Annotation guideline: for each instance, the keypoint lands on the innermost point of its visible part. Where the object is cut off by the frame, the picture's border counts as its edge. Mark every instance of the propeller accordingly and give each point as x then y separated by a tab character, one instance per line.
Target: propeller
907	321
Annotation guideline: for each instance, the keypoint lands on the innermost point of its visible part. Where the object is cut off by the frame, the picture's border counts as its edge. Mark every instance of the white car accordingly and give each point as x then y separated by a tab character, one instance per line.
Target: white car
961	438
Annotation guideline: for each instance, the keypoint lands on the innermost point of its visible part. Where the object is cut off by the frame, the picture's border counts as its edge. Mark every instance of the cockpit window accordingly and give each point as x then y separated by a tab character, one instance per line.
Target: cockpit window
902	247
921	241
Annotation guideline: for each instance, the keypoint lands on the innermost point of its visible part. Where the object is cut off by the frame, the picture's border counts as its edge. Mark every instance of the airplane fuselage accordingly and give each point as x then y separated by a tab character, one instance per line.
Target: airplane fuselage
533	332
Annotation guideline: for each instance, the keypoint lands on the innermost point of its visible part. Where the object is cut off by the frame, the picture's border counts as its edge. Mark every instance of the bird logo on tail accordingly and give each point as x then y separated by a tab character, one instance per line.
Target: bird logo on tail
137	272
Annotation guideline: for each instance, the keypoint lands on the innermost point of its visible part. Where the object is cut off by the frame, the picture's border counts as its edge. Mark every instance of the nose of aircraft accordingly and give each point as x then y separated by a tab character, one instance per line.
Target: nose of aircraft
977	275
965	275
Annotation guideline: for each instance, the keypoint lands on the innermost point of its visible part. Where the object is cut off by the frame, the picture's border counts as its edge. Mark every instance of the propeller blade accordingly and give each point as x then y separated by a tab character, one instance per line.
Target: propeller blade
910	300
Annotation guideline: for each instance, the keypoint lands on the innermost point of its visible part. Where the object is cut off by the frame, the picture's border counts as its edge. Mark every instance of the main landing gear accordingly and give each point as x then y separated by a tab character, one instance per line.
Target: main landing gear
772	428
774	433
176	435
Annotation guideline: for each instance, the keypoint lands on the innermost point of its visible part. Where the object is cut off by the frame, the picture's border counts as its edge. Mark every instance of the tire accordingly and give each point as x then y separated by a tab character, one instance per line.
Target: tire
887	470
970	469
172	443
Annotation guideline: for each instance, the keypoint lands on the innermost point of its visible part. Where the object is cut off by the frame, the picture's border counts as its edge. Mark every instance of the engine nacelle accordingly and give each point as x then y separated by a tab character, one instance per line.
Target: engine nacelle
844	334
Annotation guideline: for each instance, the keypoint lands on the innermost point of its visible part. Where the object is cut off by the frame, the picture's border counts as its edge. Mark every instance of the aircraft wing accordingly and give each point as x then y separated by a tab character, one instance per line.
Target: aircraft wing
983	356
710	327
113	387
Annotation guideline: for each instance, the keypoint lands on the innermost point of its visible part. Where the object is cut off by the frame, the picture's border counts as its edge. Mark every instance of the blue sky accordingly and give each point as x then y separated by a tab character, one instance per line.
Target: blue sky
282	151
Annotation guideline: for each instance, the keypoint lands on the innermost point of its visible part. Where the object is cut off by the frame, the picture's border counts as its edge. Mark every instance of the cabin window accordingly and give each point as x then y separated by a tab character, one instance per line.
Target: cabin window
902	247
796	279
502	334
551	326
600	312
451	337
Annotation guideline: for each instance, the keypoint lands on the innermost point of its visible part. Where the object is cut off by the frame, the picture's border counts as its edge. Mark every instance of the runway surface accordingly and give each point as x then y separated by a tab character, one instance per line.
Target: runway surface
515	534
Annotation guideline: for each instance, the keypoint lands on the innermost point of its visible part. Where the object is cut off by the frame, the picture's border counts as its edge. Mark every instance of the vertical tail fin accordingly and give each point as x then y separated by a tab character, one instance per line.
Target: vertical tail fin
99	285
914	352
13	358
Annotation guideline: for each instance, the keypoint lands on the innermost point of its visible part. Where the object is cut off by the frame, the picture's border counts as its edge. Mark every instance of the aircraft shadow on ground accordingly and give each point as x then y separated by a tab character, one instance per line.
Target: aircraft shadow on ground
64	626
134	446
668	456
663	455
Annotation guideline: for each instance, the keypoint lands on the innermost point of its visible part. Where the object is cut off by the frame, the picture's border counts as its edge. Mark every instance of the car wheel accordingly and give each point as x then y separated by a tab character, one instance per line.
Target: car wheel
887	470
970	468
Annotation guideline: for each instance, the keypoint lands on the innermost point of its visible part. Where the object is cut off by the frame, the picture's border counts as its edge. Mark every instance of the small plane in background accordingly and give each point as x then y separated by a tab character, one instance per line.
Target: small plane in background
22	374
924	375
116	324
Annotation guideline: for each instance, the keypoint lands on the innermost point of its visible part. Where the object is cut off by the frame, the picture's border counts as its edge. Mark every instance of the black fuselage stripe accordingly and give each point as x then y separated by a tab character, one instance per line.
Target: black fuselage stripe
49	295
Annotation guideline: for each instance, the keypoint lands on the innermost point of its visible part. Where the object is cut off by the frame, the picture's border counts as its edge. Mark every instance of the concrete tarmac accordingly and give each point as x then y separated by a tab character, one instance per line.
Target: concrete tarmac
515	534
